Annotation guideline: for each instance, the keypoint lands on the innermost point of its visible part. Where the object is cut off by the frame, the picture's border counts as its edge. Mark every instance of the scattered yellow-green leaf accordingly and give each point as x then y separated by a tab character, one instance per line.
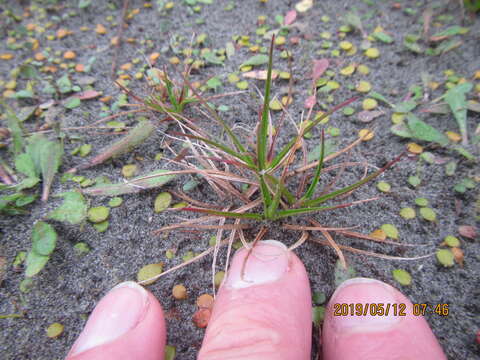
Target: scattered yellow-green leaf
445	257
390	230
383	186
55	330
162	201
149	271
428	214
451	241
402	277
98	214
407	213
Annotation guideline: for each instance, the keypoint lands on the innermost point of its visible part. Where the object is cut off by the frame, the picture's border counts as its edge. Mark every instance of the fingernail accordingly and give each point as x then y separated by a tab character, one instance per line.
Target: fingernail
121	310
267	262
362	293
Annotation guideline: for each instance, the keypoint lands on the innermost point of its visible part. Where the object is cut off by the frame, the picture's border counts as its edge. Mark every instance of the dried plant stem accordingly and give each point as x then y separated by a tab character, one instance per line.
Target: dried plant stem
371	253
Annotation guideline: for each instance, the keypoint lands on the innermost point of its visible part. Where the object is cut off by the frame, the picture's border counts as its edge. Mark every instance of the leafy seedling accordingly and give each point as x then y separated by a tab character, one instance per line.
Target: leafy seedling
44	239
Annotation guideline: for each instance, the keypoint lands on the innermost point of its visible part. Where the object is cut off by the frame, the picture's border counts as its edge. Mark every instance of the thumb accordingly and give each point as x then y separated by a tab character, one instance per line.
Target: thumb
127	323
263	310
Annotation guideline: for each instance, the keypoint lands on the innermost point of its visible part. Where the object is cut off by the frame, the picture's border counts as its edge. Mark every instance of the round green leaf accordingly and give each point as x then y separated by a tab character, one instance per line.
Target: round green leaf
101	226
116	201
149	271
445	257
451	241
98	214
162	201
390	230
55	330
402	276
44	238
428	214
383	186
407	213
414	181
421	202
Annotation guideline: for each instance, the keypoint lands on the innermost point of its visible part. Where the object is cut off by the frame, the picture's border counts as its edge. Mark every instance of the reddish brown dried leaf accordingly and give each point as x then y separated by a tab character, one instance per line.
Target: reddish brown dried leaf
87	94
367	116
468	231
310	101
458	255
319	67
290	17
202	317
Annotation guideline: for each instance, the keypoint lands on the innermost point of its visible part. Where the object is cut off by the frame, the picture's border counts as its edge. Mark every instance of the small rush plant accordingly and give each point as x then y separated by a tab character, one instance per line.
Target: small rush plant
268	166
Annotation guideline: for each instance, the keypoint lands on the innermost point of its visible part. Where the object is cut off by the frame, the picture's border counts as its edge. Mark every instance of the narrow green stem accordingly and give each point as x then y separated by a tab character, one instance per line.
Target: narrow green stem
262	134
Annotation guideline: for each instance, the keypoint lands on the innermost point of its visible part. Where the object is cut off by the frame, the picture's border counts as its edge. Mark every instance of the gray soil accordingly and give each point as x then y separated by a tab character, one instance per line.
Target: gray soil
68	288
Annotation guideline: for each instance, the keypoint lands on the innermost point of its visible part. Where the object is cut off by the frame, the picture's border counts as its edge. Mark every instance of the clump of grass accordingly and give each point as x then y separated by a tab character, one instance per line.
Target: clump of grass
268	168
268	171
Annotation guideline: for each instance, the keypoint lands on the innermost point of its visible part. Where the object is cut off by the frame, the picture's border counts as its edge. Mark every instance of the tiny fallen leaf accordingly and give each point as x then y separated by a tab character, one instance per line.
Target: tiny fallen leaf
202	317
205	301
402	276
467	231
55	330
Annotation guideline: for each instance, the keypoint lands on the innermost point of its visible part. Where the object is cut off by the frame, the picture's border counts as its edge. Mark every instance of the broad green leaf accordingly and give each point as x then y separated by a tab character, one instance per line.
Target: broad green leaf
15	127
405	106
72	103
423	131
401	130
212	58
258	59
214	83
51	158
451	31
148	181
98	214
383	37
34	148
455	98
25	200
25	165
380	97
34	263
73	210
44	238
64	85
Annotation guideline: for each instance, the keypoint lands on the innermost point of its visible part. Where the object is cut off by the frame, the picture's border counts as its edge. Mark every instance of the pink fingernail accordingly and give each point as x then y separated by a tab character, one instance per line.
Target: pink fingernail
267	262
121	310
365	292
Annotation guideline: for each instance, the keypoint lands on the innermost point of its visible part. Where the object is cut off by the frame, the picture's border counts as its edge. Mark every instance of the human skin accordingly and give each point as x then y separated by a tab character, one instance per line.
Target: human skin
262	311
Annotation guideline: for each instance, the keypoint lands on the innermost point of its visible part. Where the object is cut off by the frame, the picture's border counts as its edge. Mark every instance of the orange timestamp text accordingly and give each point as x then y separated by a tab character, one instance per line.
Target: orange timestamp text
386	309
